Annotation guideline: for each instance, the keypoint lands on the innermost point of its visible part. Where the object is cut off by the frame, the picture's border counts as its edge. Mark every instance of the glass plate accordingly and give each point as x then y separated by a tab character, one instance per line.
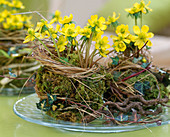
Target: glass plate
26	109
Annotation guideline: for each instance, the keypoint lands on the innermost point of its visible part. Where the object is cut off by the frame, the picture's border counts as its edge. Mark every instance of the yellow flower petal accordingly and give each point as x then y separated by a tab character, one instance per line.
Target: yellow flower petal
53	20
136	30
149	43
150	35
97	46
27	39
94	17
127	41
101	19
145	29
57	27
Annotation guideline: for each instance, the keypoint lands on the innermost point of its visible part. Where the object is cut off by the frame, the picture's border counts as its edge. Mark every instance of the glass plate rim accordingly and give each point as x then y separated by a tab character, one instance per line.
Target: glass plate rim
70	126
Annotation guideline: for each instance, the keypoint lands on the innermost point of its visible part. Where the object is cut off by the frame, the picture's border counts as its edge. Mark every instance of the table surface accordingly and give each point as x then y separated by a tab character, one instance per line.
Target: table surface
13	126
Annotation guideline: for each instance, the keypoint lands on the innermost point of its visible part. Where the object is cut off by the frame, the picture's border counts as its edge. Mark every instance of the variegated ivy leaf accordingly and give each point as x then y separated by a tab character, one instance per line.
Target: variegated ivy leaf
51	98
122	118
42	105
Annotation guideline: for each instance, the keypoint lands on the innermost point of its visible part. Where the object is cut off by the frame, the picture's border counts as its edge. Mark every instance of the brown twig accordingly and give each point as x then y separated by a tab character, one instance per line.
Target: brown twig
136	74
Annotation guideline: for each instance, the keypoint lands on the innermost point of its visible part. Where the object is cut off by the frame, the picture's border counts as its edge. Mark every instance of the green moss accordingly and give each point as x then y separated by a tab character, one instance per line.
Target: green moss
153	92
90	94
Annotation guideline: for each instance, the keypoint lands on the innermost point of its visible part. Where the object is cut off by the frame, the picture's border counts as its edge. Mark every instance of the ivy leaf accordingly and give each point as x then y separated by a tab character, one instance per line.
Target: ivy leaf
115	60
139	86
116	75
146	85
42	105
122	117
136	60
51	98
144	65
142	86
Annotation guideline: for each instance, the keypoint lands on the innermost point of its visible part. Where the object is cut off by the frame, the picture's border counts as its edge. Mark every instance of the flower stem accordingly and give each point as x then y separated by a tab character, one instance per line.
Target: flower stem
141	19
136	21
78	50
88	46
44	45
58	53
91	57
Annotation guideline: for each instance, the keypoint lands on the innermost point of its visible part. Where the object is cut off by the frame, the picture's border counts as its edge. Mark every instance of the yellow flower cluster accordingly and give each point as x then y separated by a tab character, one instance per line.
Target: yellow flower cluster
15	4
124	38
65	34
9	21
139	7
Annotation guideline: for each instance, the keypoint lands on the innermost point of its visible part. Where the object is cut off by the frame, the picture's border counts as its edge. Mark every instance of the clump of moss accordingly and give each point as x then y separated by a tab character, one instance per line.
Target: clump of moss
84	91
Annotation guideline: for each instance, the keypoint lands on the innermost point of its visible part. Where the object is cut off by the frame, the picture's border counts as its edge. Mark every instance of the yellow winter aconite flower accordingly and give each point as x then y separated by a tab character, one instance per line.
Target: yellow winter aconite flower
5	14
61	43
27	21
85	32
122	30
69	30
53	31
10	21
17	4
142	36
55	17
13	22
103	52
57	14
112	19
134	9
98	24
120	38
43	26
144	7
139	7
97	35
120	46
66	19
102	45
32	35
119	42
4	2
